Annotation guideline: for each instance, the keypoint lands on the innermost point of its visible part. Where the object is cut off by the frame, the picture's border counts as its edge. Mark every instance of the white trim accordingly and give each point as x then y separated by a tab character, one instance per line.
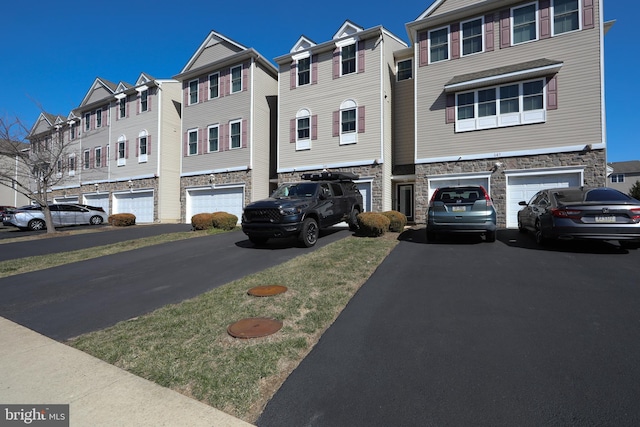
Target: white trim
482	36
534	152
231	123
209	85
215	171
197	91
302	55
545	171
552	8
231	91
304	168
429	61
217	126
537	22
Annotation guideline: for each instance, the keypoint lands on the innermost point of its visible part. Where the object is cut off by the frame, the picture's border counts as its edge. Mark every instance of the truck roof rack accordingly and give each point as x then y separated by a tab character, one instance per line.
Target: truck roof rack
330	176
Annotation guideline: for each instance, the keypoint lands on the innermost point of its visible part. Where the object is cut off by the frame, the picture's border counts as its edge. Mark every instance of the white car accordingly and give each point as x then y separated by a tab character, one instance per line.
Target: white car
63	214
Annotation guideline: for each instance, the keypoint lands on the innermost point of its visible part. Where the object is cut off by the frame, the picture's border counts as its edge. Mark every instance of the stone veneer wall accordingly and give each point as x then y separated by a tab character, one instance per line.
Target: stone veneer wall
594	163
111	187
238	177
364	172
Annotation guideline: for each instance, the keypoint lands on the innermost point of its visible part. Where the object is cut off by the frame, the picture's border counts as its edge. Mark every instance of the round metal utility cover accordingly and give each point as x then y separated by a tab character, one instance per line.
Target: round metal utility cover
254	327
267	290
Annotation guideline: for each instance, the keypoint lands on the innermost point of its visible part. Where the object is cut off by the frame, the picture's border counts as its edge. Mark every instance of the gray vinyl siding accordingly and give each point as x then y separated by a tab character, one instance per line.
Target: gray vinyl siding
167	150
451	5
222	110
577	121
403	113
214	53
322	99
265	87
98	93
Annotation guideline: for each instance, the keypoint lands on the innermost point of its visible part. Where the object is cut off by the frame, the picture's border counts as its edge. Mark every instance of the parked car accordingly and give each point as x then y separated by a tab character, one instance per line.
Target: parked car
464	209
581	213
4	210
32	217
303	208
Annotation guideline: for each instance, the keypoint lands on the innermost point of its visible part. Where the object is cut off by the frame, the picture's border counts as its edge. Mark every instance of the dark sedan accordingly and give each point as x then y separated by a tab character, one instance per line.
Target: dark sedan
582	213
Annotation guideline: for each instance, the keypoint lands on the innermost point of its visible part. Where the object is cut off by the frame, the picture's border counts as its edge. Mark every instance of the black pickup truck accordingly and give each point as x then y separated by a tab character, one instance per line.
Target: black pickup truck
303	208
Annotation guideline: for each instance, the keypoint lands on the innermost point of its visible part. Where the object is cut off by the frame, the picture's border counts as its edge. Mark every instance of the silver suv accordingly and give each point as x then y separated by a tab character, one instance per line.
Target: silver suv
461	209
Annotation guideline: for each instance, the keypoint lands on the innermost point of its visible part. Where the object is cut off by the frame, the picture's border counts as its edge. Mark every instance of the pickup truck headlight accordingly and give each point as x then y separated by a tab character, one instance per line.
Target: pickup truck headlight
290	211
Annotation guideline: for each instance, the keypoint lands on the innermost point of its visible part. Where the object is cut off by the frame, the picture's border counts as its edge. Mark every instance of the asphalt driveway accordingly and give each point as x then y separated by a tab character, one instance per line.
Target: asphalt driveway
73	299
464	333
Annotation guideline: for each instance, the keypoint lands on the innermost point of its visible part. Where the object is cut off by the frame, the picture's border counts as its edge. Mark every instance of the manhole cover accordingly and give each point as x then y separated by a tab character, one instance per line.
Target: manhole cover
267	290
254	327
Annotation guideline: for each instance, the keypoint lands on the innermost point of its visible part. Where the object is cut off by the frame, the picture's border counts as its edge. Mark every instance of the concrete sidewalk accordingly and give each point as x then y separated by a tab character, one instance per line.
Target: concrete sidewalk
37	370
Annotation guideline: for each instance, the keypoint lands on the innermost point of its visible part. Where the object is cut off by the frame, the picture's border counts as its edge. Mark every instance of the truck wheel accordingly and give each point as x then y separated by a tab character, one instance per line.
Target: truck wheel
310	232
258	240
353	219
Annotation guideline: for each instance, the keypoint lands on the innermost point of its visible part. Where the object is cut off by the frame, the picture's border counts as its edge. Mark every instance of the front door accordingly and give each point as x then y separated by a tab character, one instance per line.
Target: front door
404	200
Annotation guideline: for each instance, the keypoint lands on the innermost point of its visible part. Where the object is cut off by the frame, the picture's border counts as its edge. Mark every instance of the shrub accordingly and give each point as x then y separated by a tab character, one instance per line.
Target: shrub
634	191
122	219
224	220
202	221
397	220
372	224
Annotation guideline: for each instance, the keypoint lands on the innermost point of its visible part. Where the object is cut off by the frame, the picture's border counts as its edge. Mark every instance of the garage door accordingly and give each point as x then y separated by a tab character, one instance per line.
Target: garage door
209	200
101	200
524	187
68	199
139	203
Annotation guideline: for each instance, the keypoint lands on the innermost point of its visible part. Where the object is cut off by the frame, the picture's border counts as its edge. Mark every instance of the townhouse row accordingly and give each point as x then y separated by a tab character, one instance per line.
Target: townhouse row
504	93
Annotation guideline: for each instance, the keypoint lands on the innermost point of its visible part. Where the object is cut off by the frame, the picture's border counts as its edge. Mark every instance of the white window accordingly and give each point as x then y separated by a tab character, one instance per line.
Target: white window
144	101
214	138
348	57
566	16
121	146
193	142
348	122
193	92
236	79
86	157
404	69
72	130
214	85
98	157
123	107
87	121
439	45
235	134
471	34
98	118
617	177
303	130
500	106
304	71
524	23
72	165
143	147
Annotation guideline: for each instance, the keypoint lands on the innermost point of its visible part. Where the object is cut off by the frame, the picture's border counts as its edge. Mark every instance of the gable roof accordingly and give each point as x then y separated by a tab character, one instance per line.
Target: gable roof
99	91
630	167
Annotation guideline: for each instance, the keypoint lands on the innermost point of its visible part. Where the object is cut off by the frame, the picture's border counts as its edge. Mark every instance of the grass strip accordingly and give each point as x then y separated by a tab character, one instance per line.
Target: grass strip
186	346
41	262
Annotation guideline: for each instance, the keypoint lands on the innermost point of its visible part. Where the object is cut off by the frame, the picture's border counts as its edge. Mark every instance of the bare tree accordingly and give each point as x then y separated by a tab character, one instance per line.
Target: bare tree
32	163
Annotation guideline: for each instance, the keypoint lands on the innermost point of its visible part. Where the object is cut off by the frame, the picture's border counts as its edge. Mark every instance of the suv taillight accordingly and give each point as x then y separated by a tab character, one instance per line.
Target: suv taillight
487	197
433	197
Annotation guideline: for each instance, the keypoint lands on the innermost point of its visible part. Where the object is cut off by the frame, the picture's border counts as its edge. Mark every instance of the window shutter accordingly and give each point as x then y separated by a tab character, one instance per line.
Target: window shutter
336	123
222	92
126	149
223	142
126	108
361	119
92	162
200	141
152	91
423	44
451	109
314	69
186	144
244	135
104	155
544	12
105	116
505	29
292	131
185	91
293	73
336	63
552	93
201	89
137	146
361	50
455	41
488	33
588	19
148	145
93	121
245	76
314	127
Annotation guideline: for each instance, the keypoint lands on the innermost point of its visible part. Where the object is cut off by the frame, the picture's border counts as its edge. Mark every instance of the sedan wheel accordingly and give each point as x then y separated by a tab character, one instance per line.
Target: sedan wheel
540	239
96	220
37	224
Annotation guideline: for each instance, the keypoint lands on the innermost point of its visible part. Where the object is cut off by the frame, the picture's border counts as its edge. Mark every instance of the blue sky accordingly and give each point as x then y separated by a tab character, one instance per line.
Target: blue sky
51	55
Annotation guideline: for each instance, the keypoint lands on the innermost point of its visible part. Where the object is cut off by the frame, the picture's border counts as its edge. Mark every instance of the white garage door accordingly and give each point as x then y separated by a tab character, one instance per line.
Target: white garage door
365	190
523	188
230	200
68	199
138	203
101	200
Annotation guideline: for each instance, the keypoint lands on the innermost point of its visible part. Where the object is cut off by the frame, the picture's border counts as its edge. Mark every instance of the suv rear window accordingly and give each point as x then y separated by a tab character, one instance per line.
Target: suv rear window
459	194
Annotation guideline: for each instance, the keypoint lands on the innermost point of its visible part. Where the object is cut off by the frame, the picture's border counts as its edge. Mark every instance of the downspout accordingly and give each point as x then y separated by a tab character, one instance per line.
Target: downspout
602	89
251	113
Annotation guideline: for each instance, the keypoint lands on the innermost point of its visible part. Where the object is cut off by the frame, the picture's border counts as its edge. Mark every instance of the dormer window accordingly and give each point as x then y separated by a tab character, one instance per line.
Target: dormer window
348	54
144	101
304	71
